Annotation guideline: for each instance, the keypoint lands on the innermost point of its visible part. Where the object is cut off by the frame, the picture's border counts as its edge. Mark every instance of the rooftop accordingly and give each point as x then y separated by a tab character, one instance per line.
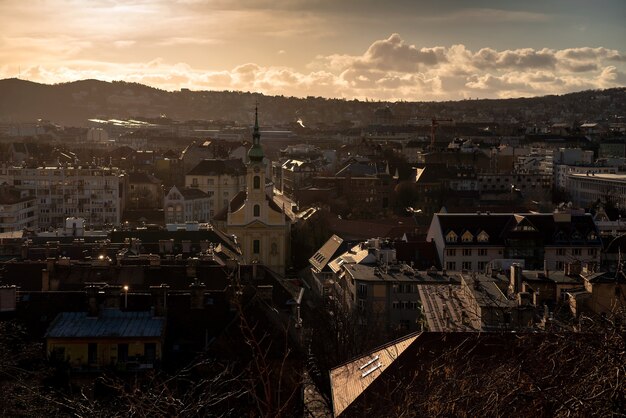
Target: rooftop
110	323
350	379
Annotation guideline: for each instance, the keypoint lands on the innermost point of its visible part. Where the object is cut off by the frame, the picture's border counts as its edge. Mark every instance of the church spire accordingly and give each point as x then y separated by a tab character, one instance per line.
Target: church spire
255	154
256	136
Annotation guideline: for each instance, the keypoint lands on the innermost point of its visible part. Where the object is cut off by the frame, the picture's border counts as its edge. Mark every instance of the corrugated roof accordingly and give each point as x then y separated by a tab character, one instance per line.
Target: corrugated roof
110	323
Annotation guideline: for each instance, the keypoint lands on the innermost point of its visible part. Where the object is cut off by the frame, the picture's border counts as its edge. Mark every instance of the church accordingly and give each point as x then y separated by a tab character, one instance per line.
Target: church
261	227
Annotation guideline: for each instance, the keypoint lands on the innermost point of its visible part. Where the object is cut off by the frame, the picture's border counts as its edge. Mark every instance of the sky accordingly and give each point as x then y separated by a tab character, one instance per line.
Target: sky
411	50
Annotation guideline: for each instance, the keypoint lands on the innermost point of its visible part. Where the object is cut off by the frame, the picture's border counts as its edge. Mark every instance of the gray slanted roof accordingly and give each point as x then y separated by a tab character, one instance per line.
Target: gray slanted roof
111	323
321	258
218	167
190	193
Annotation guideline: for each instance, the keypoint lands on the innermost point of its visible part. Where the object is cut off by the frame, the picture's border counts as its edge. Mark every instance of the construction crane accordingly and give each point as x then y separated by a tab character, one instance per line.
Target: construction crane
433	129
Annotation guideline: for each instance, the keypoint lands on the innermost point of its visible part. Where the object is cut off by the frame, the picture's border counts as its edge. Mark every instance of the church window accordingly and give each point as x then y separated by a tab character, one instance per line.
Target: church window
256	210
257	182
256	246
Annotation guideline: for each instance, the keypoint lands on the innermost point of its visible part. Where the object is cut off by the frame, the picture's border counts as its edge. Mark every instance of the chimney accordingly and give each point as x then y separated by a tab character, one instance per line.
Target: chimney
112	296
546	272
92	300
197	295
523	299
191	268
159	298
574	268
45	280
515	283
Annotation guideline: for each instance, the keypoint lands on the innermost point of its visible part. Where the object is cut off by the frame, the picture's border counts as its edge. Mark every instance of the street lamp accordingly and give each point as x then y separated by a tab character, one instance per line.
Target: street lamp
125	296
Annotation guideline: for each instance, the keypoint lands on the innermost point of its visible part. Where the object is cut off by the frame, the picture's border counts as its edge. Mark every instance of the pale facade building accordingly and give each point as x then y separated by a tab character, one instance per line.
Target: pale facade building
93	193
185	205
467	241
221	180
18	210
586	189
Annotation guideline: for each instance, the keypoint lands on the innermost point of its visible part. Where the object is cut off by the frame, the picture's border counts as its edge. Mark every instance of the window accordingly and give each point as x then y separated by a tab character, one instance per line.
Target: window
482	265
482	252
256	210
149	351
362	291
405	304
414	305
560	251
92	353
257	182
560	265
122	353
467	252
592	252
467	265
395	304
467	237
256	246
576	251
450	265
451	252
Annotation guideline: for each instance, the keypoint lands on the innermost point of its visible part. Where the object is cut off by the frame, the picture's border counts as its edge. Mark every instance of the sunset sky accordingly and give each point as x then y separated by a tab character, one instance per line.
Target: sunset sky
390	50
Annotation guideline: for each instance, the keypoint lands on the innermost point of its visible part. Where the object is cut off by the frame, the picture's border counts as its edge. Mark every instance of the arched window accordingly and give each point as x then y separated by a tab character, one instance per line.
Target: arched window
256	210
257	182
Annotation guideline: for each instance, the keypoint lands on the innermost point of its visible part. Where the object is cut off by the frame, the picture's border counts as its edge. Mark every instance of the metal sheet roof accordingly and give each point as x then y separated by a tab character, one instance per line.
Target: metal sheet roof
110	323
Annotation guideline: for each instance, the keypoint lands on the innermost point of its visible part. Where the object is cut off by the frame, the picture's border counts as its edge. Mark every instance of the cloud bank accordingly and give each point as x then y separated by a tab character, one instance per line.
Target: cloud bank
390	69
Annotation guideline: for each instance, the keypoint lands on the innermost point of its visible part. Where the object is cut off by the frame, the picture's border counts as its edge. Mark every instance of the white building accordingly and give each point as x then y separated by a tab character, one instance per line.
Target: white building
587	188
468	241
561	172
93	193
186	205
18	210
221	180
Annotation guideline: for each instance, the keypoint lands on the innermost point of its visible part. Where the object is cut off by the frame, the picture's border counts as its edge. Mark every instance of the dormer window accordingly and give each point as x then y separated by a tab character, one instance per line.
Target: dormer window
483	237
451	237
592	236
467	237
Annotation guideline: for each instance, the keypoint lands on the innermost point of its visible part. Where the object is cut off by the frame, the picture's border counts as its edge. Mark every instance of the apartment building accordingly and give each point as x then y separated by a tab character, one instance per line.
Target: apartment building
93	193
587	188
470	242
221	180
368	279
17	209
186	205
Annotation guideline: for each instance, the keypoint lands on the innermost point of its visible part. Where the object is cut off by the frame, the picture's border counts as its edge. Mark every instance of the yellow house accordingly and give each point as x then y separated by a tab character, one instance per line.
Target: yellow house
127	340
262	228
